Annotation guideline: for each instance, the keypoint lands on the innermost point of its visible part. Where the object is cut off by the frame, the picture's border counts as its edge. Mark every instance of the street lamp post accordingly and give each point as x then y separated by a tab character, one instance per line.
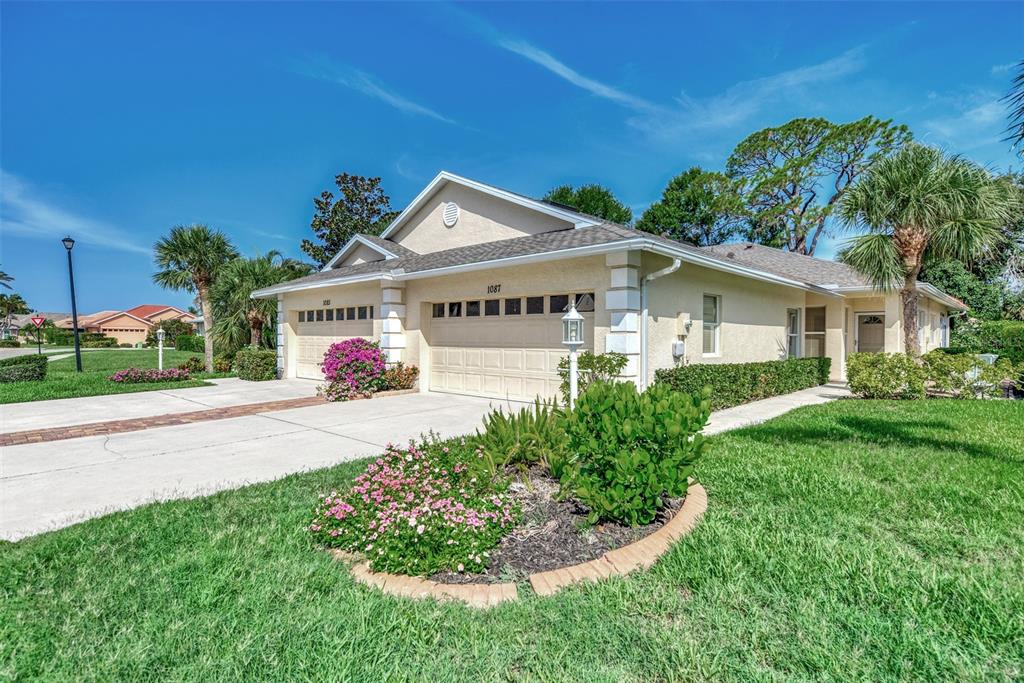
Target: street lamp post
160	348
572	336
69	244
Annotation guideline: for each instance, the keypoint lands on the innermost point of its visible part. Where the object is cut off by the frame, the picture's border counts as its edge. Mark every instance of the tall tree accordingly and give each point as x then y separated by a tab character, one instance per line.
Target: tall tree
361	207
697	206
922	203
1015	101
793	176
10	306
241	319
596	200
5	278
190	258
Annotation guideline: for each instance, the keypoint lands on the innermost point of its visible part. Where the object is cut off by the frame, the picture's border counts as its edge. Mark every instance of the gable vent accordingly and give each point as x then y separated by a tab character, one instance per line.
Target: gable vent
450	216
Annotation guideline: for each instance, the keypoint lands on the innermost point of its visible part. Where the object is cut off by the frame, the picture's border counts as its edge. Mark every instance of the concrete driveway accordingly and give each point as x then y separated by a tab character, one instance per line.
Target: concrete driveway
50	485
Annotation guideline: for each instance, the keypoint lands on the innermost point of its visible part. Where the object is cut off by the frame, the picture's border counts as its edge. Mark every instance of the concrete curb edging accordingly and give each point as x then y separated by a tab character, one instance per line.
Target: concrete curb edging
640	554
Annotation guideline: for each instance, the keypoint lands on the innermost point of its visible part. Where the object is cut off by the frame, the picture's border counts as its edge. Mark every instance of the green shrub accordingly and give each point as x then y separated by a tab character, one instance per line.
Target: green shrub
885	375
222	364
1002	337
735	383
172	330
629	451
527	437
398	377
256	365
592	367
193	365
99	343
23	369
9	343
189	342
126	345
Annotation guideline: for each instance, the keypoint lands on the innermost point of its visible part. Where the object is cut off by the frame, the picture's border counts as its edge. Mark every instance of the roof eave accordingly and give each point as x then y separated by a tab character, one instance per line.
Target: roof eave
357	240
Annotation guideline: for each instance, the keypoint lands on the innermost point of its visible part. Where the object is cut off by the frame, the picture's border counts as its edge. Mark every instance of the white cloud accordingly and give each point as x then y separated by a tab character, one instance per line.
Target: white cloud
350	77
24	213
743	100
1003	68
979	120
560	69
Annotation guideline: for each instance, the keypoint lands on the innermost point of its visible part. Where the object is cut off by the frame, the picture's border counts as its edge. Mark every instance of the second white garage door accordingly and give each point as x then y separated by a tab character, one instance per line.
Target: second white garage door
503	357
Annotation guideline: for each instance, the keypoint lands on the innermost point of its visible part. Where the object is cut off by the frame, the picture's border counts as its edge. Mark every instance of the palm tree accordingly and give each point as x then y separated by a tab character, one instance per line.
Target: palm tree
240	317
1015	101
10	305
922	203
5	278
190	258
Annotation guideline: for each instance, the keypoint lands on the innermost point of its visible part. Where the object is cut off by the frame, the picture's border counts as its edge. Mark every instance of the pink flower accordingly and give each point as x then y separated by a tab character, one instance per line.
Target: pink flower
419	529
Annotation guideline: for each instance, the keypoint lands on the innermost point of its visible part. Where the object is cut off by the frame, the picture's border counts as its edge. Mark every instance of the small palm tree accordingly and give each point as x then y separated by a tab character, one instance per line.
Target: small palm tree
4	279
922	203
190	258
240	317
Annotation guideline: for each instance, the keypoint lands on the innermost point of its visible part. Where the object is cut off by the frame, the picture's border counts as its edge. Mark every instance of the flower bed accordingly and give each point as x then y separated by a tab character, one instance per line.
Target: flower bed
356	368
535	491
137	376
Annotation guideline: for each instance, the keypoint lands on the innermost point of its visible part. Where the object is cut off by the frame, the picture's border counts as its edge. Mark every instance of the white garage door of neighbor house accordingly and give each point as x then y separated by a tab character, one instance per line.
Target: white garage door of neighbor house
314	338
500	356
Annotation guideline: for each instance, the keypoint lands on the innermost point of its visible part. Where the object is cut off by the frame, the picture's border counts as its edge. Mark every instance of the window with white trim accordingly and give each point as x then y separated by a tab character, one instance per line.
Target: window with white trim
712	324
793	332
814	332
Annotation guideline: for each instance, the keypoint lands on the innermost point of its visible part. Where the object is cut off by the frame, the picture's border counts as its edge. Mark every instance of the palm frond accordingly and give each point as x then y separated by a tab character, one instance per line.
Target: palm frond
875	256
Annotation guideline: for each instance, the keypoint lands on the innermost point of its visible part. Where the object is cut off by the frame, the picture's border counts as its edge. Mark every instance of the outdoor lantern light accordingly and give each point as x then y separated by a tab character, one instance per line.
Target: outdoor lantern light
68	244
572	336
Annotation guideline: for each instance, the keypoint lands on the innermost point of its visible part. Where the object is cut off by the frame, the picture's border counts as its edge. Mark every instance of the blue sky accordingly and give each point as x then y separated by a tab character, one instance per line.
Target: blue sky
118	121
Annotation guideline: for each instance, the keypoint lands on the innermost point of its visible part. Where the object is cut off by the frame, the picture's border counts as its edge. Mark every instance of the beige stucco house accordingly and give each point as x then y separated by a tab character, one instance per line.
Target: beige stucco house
127	327
470	281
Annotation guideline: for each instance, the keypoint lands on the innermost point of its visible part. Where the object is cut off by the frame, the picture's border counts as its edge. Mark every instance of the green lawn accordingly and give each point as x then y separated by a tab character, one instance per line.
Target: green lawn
852	541
63	382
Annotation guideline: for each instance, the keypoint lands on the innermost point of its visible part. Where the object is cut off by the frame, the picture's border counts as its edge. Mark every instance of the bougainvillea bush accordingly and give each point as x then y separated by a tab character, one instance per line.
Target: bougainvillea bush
353	368
419	509
137	376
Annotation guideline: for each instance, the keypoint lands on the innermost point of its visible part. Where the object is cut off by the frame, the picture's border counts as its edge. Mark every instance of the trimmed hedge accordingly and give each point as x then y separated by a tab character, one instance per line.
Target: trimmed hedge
23	369
256	365
735	383
9	343
190	342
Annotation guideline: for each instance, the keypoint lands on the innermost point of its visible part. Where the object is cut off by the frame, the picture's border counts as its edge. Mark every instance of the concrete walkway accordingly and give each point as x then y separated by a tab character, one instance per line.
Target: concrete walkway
761	411
45	486
230	391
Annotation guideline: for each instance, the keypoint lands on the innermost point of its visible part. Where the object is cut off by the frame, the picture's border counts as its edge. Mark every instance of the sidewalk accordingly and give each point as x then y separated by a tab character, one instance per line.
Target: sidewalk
761	411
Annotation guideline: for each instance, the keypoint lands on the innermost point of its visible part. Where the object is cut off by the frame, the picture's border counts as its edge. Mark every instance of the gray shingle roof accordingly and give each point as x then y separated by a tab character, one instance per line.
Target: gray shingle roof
788	264
394	247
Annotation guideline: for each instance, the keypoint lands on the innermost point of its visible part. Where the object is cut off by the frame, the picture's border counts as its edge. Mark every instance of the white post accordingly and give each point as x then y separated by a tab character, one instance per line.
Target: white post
573	378
160	349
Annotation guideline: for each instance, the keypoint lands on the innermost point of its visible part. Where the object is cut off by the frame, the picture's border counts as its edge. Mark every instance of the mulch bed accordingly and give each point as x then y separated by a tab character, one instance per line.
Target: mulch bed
552	534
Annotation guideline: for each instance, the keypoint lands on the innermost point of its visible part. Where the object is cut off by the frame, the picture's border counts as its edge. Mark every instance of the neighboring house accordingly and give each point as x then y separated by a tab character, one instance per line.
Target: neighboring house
22	323
470	282
198	324
127	327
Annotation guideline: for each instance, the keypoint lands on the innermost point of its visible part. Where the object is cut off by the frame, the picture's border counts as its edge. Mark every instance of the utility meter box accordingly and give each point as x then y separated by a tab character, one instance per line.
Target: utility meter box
678	348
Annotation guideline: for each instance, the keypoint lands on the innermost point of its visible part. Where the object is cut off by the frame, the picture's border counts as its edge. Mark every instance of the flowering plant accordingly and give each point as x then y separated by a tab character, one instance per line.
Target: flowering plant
399	376
418	510
137	376
352	368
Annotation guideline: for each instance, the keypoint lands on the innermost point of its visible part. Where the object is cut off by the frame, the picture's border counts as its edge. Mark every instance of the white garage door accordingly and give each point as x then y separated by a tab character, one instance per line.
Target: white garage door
501	356
314	338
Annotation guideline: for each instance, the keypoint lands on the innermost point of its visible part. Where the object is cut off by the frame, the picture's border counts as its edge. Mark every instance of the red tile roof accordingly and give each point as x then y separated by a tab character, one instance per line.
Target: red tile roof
146	310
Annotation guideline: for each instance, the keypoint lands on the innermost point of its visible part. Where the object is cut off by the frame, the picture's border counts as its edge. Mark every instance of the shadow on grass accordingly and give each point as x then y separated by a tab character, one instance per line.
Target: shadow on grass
880	432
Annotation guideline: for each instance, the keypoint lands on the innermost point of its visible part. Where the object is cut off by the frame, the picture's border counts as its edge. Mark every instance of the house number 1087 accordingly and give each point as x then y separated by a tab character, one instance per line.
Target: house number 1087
493	289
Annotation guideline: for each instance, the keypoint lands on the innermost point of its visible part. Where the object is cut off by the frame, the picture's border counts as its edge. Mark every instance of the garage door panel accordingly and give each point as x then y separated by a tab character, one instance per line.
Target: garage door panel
500	356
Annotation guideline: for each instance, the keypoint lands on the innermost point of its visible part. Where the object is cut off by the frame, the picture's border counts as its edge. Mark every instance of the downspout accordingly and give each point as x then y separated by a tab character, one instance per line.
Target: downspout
650	277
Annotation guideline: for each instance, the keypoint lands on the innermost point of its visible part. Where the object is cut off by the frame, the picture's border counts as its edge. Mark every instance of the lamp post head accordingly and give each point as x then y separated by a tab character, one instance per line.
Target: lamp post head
572	328
68	243
160	334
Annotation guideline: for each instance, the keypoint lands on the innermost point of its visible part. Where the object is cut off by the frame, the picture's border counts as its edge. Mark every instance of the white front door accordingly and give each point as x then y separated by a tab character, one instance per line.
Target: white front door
870	332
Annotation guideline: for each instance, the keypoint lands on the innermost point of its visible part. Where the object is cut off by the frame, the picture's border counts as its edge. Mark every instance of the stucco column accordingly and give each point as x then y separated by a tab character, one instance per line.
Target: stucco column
280	336
392	337
835	343
622	301
893	323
